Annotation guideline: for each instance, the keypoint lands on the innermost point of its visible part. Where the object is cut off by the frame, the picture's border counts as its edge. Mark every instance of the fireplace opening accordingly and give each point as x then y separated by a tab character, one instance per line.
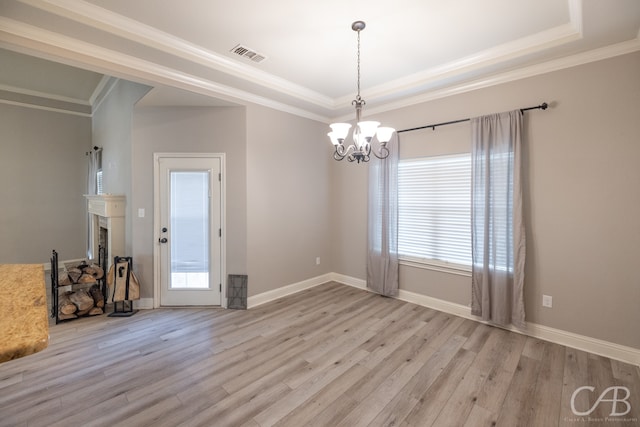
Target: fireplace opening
103	240
103	235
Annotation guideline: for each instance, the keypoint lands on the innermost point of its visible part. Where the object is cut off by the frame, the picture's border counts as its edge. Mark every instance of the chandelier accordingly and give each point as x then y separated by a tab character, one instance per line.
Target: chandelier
364	131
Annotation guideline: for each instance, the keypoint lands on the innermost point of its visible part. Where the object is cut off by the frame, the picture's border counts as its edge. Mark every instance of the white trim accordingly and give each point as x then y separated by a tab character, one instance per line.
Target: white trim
583	58
545	333
45	95
47	265
508	51
127	28
434	265
117	63
348	280
157	225
102	91
265	297
109	61
42	107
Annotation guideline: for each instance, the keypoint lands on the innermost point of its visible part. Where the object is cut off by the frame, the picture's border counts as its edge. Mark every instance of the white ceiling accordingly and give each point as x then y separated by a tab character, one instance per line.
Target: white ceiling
412	50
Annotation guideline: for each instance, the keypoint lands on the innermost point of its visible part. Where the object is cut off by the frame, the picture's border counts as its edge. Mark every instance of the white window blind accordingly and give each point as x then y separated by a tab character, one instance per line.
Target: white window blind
500	223
99	189
434	197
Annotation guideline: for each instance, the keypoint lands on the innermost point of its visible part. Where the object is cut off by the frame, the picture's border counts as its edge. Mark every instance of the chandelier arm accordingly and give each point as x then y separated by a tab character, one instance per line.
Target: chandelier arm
384	152
343	152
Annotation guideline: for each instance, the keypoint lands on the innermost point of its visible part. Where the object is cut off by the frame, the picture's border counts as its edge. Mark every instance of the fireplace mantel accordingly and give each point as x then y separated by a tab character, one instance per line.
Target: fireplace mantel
106	205
107	222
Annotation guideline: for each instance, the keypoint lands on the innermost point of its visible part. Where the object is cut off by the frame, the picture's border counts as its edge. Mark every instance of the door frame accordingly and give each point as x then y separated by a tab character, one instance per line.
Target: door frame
157	225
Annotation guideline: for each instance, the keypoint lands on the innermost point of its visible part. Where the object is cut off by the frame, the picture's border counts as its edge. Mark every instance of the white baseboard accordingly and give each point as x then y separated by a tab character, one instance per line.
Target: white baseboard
545	333
348	280
47	265
265	297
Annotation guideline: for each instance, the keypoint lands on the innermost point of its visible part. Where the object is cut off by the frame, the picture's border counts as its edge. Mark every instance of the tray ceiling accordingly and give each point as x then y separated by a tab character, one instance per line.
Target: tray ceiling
411	50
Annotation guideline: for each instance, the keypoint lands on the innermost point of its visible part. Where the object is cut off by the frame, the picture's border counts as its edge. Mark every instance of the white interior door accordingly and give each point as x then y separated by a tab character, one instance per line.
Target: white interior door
189	234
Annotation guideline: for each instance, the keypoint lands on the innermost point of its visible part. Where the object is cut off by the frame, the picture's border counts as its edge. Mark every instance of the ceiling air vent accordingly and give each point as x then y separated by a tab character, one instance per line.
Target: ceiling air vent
248	53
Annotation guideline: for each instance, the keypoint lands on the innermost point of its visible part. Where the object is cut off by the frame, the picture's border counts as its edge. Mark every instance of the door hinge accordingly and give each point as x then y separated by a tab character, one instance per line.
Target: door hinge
220	177
219	232
220	287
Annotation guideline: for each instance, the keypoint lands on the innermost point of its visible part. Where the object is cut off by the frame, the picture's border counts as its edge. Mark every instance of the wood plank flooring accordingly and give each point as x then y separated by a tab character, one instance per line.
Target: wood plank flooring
329	356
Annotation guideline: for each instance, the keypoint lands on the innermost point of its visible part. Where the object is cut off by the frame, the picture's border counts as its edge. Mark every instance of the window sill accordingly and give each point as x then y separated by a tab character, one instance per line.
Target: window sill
443	267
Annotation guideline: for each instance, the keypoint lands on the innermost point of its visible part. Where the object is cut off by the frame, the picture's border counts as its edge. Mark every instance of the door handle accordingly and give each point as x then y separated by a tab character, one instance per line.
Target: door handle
163	240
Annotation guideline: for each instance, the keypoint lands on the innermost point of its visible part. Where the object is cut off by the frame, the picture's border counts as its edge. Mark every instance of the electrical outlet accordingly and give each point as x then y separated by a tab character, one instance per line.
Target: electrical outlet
547	301
317	260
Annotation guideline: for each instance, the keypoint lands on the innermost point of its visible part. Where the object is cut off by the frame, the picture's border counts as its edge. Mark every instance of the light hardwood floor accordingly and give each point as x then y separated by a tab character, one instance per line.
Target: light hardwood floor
329	356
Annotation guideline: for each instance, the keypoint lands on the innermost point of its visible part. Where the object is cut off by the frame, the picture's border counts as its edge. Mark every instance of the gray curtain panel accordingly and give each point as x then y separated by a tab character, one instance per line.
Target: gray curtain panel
382	233
498	234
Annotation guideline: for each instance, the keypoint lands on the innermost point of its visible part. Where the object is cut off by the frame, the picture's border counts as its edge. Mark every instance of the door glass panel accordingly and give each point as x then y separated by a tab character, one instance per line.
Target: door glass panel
189	230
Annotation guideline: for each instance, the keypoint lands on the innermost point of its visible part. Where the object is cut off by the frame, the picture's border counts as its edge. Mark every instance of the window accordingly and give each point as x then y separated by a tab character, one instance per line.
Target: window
99	182
434	219
500	223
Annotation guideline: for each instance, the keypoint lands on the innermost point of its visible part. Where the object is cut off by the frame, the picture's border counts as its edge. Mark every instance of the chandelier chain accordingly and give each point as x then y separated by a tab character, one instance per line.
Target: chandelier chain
358	97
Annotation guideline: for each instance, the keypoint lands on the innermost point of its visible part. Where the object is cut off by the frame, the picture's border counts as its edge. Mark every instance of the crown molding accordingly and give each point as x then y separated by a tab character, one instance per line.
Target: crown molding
126	66
127	28
100	18
104	86
46	95
36	106
103	89
118	63
554	37
602	53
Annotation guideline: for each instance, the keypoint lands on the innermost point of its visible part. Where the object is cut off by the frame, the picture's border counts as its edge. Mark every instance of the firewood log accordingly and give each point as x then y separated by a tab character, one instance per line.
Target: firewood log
65	306
94	270
83	312
74	274
63	279
99	271
96	294
82	300
95	311
86	279
66	316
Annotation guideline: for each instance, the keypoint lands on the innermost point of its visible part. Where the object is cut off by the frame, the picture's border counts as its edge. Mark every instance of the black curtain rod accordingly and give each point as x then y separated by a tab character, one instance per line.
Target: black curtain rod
542	106
95	148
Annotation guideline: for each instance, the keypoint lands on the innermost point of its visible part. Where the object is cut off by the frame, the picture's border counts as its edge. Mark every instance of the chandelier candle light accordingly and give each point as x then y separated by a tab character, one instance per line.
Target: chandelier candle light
364	131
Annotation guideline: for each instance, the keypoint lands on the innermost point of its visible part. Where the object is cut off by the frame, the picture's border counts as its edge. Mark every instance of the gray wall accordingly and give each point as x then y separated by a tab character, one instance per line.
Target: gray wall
188	130
582	202
278	190
112	129
288	199
43	170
